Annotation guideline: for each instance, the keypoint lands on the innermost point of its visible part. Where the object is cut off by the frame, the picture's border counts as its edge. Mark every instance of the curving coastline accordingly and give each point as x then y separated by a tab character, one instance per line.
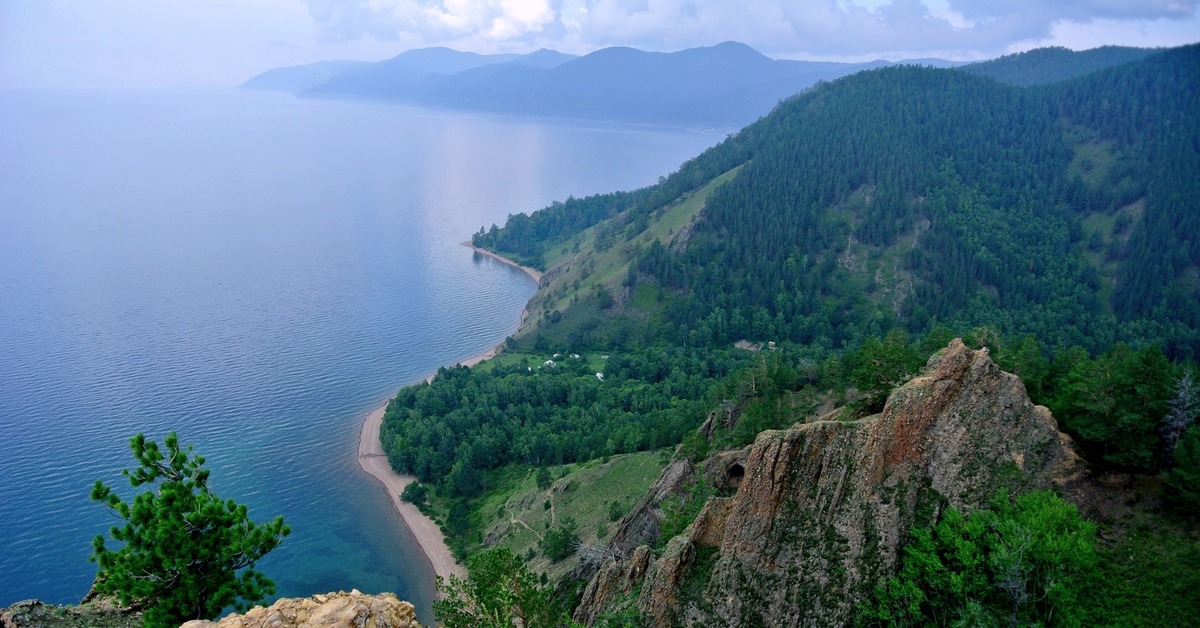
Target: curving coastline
535	275
374	462
429	537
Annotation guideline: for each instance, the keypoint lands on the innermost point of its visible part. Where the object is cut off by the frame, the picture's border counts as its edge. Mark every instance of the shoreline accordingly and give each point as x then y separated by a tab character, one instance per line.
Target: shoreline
428	535
374	462
535	275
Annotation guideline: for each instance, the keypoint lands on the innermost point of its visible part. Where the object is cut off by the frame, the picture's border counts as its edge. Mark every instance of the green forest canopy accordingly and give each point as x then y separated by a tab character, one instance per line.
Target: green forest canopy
915	196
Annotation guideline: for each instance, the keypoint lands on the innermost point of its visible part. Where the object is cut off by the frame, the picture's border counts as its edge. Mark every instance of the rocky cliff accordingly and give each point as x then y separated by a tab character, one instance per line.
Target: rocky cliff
821	510
331	610
334	610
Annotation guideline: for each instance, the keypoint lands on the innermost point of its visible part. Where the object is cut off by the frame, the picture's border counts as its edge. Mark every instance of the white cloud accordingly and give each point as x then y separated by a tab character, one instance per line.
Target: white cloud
478	23
814	28
146	43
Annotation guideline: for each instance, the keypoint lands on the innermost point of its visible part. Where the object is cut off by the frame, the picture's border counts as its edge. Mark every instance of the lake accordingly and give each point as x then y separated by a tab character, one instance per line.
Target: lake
256	272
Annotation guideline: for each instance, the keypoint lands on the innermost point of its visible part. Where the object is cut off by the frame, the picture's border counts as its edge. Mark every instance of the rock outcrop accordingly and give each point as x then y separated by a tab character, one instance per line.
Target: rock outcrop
611	586
332	610
93	613
336	610
636	531
641	525
821	509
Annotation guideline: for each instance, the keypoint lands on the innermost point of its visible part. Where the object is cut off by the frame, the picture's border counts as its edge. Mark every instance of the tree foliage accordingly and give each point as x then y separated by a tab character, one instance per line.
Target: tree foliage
498	591
467	421
1114	404
1053	65
881	365
1183	480
1023	562
185	553
561	540
415	494
911	196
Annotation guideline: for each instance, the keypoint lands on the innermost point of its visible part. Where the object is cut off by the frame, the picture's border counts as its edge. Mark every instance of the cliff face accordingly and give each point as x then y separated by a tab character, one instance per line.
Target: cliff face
822	509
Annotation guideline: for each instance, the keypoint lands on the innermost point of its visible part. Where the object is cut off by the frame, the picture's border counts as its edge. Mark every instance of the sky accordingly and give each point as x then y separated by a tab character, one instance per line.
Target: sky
221	43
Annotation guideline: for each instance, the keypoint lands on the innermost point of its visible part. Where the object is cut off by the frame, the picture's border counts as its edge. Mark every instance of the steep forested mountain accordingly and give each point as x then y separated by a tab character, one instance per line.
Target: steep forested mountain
910	196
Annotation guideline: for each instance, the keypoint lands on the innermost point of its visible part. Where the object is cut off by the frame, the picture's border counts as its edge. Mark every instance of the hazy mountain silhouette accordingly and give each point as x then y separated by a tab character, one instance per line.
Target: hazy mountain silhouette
723	86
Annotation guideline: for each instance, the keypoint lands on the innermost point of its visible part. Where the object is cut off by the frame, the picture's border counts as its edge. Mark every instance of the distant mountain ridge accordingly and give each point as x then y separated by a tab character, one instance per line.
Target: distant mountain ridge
1052	65
301	77
723	86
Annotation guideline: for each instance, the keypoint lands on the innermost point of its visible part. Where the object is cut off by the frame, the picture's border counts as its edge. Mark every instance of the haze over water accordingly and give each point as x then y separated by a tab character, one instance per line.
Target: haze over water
255	272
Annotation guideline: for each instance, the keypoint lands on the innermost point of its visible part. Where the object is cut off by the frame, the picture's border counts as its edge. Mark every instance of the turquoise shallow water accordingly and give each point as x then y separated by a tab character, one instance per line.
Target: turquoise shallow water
255	272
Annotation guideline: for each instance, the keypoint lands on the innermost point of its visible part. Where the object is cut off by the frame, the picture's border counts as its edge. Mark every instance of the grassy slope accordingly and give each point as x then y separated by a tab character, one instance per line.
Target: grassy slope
579	266
517	513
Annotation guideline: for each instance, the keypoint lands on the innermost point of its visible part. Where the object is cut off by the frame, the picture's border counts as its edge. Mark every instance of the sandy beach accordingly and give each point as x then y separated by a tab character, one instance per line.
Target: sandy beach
533	274
372	460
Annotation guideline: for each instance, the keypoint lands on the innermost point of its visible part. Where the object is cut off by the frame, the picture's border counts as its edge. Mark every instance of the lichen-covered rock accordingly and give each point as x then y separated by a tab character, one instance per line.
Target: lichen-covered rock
335	610
94	613
612	588
641	526
659	600
823	508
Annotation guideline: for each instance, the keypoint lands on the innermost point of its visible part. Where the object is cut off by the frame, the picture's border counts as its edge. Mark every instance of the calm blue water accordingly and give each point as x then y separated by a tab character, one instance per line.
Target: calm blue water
256	272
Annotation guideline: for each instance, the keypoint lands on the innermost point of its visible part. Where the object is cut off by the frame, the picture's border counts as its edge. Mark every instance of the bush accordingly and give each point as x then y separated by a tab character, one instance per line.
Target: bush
615	511
415	494
543	478
681	511
561	540
499	591
1024	562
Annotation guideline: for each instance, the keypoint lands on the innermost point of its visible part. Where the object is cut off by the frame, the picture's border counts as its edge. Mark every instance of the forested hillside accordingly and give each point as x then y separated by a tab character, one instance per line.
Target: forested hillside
805	267
915	196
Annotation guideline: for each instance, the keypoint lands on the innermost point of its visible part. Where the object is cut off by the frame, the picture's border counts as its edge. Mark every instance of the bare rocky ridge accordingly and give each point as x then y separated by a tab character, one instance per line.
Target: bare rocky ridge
821	509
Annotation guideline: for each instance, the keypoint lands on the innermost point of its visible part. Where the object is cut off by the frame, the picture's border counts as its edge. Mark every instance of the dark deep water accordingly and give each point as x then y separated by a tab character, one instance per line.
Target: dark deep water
255	272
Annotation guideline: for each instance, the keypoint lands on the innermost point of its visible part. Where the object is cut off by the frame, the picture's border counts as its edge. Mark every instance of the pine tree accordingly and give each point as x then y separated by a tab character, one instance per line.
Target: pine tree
186	553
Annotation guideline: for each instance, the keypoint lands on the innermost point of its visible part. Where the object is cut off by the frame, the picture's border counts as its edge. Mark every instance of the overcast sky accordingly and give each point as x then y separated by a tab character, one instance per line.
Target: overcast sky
169	43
